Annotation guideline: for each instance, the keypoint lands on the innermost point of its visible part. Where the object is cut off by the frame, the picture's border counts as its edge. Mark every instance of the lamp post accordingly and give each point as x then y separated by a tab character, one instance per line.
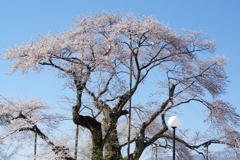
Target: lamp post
174	123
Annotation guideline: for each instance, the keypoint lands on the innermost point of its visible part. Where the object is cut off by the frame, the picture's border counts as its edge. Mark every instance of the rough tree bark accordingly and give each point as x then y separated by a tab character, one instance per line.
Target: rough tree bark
96	130
113	149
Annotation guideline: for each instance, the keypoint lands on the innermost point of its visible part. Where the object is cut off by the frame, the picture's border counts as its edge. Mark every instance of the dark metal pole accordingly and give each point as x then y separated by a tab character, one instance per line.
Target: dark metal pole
156	151
76	142
174	130
79	103
35	146
207	153
130	103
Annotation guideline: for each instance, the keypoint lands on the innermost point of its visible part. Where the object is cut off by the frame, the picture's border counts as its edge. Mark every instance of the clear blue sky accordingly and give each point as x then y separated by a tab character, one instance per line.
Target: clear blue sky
23	19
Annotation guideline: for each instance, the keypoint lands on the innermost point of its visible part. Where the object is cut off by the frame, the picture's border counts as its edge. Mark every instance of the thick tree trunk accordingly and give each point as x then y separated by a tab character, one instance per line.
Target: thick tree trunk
112	146
97	150
96	130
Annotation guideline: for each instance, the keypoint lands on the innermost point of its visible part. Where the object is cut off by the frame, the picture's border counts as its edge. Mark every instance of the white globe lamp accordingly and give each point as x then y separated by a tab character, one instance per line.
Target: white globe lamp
173	122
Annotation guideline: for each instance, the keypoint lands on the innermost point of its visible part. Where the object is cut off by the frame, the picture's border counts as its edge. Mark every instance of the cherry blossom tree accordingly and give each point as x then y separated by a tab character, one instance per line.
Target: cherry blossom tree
22	119
98	55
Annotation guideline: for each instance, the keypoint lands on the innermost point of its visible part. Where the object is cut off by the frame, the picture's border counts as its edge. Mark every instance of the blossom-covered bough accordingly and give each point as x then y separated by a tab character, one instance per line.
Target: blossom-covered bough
21	117
93	56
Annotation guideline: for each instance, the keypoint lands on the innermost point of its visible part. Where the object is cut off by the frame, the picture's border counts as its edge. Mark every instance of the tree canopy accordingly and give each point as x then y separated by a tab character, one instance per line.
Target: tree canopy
98	56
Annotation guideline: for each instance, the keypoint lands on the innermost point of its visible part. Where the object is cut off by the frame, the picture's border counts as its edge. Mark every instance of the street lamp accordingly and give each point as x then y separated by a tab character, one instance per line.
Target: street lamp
174	123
